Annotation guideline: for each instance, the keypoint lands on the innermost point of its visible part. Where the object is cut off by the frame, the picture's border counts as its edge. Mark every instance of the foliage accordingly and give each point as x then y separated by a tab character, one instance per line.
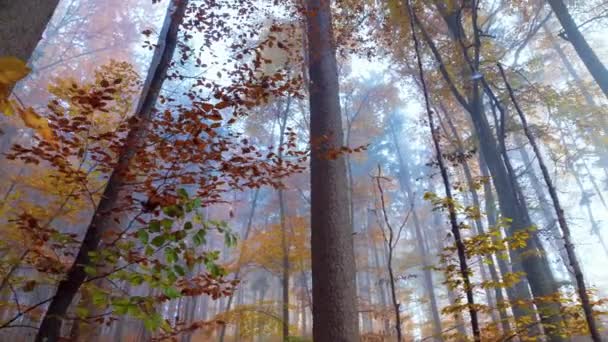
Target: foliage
264	247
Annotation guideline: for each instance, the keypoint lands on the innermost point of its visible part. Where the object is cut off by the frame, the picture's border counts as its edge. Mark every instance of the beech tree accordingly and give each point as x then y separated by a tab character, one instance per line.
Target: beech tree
23	23
332	251
595	67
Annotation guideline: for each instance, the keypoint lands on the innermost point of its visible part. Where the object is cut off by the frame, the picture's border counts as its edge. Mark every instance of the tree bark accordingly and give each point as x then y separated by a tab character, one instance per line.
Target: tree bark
335	316
23	23
580	44
103	218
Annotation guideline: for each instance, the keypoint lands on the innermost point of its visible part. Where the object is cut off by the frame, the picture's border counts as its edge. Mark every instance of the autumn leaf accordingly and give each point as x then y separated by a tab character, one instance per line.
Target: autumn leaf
222	105
6	105
11	71
37	123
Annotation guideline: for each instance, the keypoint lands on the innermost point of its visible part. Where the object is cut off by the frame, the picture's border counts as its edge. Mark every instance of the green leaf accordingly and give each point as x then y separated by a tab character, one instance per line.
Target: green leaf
229	239
171	255
171	276
121	308
167	224
196	203
99	298
149	251
214	269
136	279
171	292
173	211
159	240
82	312
188	225
90	270
133	310
154	226
179	270
182	193
143	236
199	237
153	321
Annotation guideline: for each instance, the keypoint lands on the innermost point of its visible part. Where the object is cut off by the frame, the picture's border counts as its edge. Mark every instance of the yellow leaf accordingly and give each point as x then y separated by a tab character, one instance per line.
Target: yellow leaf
6	107
36	122
12	69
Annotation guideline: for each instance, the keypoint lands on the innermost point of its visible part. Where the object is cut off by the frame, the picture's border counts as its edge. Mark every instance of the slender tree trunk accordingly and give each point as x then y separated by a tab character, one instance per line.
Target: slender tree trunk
102	220
406	187
502	312
381	288
460	247
335	316
568	244
580	44
555	238
586	201
599	145
305	303
284	228
512	206
23	22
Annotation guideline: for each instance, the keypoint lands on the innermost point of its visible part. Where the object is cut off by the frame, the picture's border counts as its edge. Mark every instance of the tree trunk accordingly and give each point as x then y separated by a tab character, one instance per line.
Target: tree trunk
580	44
555	238
335	316
455	228
498	297
103	218
228	306
533	262
284	233
585	200
381	288
520	290
406	187
561	219
599	146
23	22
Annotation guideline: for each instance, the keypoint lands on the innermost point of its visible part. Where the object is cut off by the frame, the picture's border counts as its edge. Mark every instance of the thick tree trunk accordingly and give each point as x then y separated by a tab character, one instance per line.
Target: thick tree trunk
520	290
335	316
22	25
580	44
102	220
